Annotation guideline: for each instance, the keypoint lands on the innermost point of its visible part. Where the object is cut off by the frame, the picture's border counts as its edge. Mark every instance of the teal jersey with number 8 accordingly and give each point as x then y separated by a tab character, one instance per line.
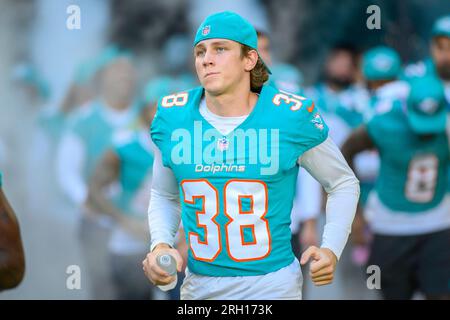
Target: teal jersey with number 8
236	190
413	169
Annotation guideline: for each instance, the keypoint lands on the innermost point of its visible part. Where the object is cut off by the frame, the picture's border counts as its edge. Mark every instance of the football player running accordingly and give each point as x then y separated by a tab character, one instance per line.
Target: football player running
227	163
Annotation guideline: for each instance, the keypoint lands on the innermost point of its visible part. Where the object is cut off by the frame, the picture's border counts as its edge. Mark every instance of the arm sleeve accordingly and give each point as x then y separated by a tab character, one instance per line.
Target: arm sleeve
327	165
70	162
164	211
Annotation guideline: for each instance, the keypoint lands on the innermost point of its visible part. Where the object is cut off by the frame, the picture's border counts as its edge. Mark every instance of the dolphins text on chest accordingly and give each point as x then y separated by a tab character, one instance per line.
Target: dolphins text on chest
239	148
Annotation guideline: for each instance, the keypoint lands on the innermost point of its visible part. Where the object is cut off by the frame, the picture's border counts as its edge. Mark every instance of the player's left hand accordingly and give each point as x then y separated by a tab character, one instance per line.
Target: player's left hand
322	266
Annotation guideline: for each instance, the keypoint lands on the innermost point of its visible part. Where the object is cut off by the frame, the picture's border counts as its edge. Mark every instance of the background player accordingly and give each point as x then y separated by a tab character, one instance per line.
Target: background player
409	210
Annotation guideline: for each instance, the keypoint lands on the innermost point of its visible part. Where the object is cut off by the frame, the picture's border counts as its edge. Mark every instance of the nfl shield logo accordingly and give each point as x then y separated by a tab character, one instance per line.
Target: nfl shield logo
222	144
205	30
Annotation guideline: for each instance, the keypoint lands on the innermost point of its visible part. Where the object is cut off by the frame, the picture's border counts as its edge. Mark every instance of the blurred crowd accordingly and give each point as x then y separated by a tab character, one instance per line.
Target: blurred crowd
87	156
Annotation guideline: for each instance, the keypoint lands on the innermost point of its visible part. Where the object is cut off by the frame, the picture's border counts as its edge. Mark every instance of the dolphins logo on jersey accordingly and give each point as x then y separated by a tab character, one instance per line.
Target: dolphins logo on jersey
318	122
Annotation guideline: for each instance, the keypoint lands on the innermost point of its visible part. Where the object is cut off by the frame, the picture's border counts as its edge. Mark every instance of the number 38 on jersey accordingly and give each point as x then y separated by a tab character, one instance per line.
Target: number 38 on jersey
234	193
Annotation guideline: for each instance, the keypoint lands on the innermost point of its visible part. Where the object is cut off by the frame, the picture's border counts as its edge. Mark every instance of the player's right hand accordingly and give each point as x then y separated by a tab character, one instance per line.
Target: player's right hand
155	273
323	264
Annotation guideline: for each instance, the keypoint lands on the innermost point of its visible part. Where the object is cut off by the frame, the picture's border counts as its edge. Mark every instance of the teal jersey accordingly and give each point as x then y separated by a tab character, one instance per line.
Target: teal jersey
372	103
422	69
1	179
96	131
237	190
136	161
347	104
384	95
351	117
354	105
413	169
325	99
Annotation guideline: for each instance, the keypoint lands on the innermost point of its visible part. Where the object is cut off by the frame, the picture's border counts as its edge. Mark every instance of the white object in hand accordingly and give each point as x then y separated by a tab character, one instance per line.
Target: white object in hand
168	263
